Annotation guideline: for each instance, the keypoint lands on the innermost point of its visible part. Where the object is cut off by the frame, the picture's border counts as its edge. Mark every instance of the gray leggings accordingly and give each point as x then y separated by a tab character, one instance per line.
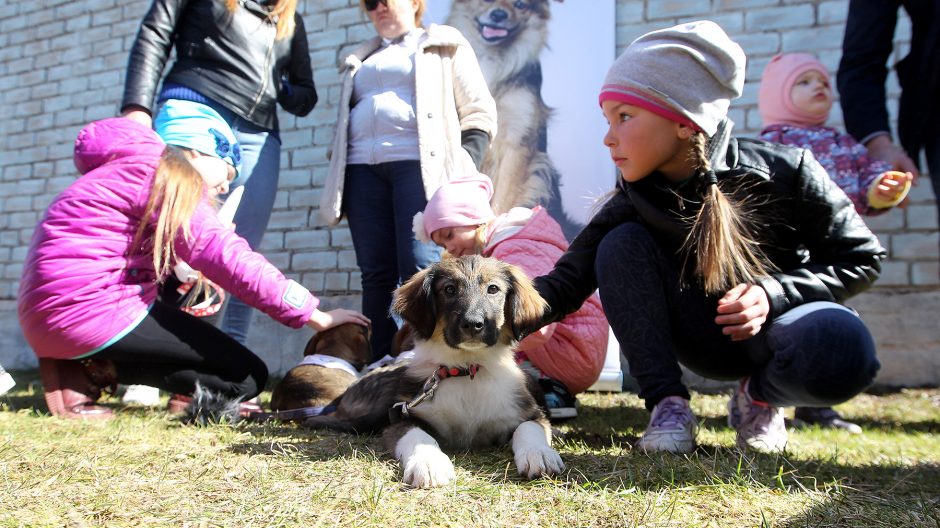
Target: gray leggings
817	354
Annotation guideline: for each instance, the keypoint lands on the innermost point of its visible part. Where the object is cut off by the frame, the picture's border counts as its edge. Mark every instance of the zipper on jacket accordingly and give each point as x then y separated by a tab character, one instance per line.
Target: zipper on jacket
265	78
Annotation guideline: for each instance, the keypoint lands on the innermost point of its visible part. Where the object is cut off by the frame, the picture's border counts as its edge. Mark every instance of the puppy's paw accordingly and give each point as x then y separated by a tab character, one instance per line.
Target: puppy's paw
538	461
429	469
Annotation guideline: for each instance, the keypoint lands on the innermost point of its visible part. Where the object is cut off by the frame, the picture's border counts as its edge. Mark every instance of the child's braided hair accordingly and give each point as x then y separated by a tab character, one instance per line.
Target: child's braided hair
727	253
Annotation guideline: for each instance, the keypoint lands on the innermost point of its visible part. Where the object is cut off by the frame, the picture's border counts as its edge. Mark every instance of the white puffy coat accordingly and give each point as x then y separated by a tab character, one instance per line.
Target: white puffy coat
451	96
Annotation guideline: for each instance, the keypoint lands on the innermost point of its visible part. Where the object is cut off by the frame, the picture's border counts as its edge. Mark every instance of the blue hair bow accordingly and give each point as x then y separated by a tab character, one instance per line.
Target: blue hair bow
225	149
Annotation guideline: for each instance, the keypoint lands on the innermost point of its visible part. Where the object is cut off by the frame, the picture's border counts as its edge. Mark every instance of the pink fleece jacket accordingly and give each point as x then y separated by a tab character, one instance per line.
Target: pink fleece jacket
80	291
573	350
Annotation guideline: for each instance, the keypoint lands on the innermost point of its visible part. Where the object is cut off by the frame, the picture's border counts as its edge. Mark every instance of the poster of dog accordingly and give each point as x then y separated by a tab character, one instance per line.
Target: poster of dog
544	62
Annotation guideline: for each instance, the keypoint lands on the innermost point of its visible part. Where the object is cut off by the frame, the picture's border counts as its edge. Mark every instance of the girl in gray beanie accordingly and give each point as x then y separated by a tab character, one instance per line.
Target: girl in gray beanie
726	255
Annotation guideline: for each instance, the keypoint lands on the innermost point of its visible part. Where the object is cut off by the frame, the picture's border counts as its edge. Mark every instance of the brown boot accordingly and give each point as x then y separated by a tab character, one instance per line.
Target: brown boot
69	392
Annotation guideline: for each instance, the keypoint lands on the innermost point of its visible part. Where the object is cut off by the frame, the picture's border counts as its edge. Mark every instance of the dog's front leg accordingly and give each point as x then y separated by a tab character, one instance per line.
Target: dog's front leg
422	461
533	452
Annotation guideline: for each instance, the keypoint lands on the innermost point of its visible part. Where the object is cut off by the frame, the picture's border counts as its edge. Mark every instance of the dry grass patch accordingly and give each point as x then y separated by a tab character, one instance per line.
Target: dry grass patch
144	469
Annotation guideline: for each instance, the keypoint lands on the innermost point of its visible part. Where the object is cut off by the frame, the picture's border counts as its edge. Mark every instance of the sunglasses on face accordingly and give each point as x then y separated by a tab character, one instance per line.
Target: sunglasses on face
372	5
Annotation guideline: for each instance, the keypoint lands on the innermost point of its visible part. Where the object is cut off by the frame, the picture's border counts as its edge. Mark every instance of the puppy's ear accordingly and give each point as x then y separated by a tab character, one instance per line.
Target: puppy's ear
524	305
311	347
414	302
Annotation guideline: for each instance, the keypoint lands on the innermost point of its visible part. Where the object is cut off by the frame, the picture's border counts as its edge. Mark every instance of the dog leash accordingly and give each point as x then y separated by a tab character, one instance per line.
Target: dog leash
402	410
301	413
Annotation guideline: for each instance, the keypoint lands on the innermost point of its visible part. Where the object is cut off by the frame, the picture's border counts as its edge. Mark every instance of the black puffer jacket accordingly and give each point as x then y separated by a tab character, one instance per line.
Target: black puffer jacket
807	226
231	58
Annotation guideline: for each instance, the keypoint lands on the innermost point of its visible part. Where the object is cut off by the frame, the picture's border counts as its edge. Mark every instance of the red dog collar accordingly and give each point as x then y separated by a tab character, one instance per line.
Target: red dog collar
451	372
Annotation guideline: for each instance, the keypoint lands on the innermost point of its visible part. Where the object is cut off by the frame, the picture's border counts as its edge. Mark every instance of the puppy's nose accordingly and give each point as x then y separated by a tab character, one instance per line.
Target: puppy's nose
498	15
472	323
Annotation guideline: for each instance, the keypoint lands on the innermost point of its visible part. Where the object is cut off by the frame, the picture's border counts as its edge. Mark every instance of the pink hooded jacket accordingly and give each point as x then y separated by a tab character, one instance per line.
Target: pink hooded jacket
573	350
81	292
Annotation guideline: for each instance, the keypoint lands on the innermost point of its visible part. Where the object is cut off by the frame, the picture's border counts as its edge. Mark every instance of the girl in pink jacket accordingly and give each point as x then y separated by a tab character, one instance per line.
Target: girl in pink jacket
88	300
566	357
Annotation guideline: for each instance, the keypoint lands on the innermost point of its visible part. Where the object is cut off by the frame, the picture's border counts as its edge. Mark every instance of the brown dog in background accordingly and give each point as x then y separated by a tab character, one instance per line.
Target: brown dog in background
310	385
508	38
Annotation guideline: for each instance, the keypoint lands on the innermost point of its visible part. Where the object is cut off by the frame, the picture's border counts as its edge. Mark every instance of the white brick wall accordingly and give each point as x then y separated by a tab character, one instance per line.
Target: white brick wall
62	64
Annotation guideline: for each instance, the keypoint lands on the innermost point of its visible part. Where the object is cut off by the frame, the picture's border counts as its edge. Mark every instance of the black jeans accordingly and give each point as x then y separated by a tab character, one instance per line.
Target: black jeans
932	151
172	350
817	354
380	202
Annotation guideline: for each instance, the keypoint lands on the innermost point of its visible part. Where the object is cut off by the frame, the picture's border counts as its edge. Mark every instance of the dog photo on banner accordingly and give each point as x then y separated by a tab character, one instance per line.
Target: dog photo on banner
544	61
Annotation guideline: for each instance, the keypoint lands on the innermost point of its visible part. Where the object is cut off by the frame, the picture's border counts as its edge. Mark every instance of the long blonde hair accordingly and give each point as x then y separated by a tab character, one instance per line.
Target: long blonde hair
283	12
176	192
728	253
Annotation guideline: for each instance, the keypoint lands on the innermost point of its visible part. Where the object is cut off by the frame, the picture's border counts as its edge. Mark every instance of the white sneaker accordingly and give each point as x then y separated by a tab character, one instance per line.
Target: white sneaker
6	381
760	426
672	427
142	395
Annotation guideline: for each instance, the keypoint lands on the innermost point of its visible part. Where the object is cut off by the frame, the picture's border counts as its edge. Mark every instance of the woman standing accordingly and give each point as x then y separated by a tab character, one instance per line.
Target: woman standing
414	112
242	58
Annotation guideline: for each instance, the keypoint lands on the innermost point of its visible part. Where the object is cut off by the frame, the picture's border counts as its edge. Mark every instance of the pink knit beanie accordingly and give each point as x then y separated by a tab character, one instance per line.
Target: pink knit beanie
461	202
773	100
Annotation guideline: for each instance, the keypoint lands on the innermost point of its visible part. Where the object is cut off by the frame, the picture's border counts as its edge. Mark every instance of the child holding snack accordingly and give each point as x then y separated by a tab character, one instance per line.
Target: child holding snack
794	101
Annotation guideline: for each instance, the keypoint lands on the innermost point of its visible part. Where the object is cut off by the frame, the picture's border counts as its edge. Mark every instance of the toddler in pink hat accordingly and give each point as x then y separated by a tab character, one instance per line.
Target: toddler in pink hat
565	357
794	101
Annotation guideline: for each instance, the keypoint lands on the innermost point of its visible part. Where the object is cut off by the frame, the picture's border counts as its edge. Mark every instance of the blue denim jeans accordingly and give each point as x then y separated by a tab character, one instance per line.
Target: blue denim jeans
817	354
261	160
380	202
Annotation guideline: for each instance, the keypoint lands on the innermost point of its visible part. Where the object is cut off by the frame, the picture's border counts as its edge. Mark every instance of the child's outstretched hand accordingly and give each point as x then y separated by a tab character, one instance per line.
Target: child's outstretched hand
890	189
320	320
743	311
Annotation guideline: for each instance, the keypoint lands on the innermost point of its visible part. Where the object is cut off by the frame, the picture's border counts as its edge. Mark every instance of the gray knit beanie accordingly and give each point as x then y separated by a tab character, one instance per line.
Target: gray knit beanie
687	73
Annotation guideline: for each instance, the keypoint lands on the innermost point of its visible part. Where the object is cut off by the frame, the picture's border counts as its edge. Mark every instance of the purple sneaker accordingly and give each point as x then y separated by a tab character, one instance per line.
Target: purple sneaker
672	428
760	426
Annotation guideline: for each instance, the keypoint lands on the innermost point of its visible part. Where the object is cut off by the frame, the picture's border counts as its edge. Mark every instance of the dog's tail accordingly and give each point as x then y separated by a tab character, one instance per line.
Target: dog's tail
331	422
371	422
208	407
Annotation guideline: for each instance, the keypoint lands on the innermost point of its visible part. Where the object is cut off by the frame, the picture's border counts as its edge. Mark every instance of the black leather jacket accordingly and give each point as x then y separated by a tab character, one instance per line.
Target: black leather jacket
807	226
231	58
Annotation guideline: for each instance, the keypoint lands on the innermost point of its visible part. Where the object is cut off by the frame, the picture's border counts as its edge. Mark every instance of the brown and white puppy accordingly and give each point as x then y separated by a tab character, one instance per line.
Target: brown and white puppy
467	313
508	37
320	378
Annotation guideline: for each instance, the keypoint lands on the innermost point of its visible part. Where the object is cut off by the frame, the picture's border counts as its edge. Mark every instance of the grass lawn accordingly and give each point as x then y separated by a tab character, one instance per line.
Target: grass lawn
144	469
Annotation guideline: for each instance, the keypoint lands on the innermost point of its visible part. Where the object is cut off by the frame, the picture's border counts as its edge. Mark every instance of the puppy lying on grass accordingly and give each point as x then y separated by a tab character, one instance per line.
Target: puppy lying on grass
463	388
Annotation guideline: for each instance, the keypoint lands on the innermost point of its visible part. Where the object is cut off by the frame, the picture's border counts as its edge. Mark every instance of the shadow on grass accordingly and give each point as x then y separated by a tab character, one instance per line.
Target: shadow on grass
889	495
597	450
926	426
